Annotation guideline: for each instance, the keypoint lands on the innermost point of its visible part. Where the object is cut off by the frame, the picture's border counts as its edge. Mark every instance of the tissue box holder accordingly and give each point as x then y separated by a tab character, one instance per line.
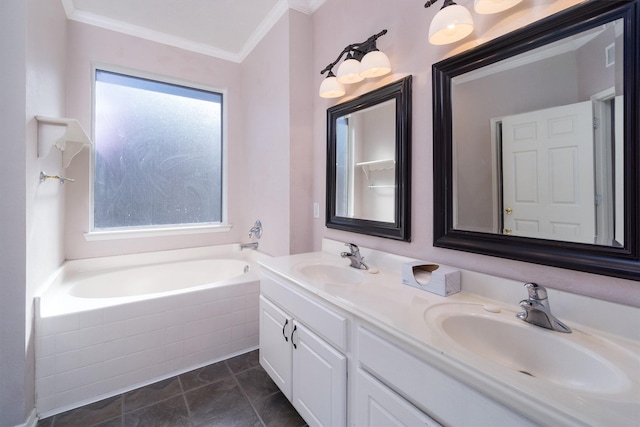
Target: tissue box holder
442	280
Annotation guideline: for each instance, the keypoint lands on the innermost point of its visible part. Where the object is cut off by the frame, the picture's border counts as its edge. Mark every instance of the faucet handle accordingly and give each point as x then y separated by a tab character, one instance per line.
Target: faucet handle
353	247
536	291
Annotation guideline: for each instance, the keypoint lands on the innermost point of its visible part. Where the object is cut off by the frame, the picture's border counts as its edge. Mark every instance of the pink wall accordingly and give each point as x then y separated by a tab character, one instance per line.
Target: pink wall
338	23
45	85
33	45
88	45
269	133
301	95
265	77
277	84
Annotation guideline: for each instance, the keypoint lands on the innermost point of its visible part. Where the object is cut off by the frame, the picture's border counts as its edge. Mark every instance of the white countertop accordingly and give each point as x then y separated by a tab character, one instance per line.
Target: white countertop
383	301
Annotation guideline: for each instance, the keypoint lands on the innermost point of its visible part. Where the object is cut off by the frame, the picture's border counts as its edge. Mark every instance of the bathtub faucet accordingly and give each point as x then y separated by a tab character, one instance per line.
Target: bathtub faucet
252	245
256	230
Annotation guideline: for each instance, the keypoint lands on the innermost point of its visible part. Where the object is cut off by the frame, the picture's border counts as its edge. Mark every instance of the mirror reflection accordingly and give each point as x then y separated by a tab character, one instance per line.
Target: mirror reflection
365	163
538	142
368	163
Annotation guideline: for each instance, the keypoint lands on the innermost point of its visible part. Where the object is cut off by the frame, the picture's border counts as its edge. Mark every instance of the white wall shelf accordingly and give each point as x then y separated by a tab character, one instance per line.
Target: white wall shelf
67	135
376	165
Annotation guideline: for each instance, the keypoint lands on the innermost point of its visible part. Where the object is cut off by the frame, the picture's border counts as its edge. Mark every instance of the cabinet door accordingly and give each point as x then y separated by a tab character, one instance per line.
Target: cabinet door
275	345
378	406
319	380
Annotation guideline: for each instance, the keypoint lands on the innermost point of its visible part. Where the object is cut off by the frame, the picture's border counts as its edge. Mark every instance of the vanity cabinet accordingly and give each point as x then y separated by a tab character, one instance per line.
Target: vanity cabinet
405	383
301	348
378	405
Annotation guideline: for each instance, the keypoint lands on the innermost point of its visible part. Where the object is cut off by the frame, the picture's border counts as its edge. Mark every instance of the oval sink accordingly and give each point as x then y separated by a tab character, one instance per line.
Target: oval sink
330	273
577	360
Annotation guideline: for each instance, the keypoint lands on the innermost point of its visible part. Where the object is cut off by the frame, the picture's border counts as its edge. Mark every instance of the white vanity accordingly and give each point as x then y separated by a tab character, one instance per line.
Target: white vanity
358	348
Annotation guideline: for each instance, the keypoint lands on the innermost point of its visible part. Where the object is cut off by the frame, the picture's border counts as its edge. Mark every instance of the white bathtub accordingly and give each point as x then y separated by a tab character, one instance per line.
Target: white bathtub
158	278
107	325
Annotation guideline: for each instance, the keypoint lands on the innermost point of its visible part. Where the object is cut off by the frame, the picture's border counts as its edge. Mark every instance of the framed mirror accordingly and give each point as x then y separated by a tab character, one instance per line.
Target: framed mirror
536	143
369	163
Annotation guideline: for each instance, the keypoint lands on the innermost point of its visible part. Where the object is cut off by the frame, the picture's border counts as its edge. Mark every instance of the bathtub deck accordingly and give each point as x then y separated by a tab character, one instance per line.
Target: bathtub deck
236	389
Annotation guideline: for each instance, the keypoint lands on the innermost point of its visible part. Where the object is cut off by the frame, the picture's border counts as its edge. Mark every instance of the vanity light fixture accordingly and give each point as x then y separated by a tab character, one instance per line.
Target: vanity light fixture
363	60
454	22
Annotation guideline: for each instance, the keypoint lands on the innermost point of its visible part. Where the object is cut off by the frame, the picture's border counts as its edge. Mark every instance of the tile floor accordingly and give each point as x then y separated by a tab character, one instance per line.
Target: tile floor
234	392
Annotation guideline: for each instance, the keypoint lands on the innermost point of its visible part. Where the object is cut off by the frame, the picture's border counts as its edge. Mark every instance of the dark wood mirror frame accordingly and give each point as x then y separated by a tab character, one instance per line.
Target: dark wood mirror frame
400	228
622	262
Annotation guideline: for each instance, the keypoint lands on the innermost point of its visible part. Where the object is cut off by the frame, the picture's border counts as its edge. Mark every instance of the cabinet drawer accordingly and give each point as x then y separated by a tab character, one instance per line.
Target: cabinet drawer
325	322
434	392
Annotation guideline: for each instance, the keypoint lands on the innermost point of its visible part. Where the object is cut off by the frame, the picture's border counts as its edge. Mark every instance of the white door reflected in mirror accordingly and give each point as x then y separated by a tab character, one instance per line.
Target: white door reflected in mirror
540	134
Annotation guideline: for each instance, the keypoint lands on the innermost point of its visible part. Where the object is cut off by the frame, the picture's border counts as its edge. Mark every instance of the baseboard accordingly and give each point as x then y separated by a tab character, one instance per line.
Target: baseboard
32	420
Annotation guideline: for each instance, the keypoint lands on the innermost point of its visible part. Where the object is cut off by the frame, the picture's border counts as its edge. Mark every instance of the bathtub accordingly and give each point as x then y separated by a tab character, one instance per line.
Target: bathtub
108	325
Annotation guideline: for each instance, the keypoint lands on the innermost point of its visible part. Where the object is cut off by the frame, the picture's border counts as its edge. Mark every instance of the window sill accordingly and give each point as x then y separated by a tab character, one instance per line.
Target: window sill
154	232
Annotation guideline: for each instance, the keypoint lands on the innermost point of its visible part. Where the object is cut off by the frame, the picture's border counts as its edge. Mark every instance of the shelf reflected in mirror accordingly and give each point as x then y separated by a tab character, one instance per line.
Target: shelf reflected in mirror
368	164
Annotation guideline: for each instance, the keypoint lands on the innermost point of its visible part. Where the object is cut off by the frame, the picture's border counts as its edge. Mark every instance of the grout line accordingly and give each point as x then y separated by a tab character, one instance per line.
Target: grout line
154	402
186	403
122	411
246	396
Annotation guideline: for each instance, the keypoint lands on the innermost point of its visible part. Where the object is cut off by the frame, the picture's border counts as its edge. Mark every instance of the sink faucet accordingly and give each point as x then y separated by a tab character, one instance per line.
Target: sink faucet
357	260
537	310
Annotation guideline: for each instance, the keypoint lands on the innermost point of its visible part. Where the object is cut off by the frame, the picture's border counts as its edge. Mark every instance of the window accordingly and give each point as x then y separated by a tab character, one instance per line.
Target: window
158	154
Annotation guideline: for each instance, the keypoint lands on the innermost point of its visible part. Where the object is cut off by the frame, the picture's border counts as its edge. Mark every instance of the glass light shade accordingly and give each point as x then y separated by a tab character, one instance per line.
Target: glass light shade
451	23
486	7
331	88
349	72
374	64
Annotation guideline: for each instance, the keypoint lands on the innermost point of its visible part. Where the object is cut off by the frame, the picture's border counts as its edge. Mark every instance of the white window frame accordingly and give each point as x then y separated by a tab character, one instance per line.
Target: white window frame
157	231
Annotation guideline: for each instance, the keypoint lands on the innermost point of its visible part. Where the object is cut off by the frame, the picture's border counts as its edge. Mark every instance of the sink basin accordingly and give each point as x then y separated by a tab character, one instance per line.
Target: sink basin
331	273
577	360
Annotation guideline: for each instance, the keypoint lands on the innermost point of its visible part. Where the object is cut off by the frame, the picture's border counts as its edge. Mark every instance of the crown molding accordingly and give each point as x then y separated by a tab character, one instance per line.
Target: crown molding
303	6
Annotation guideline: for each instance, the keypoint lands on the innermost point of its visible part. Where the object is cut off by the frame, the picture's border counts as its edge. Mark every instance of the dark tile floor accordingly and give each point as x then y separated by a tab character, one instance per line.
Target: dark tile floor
234	392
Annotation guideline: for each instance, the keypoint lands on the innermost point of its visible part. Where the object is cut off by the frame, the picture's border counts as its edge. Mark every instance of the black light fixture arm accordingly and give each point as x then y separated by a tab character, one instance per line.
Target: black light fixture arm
356	50
446	3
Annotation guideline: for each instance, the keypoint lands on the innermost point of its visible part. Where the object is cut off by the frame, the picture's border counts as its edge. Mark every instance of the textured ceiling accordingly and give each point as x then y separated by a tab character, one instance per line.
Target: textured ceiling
227	29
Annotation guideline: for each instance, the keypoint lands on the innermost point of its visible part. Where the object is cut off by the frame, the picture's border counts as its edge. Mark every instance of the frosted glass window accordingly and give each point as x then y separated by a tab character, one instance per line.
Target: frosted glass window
158	154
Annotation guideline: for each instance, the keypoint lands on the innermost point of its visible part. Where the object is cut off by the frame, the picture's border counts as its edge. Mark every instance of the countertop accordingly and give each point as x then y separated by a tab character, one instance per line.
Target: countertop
384	302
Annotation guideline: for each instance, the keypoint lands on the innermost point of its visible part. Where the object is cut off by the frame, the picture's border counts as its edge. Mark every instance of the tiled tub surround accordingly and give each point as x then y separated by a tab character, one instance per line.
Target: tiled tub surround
91	348
392	341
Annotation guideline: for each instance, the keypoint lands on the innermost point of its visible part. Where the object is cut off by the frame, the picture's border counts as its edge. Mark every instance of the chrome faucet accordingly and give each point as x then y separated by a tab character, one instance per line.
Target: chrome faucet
256	230
357	260
537	310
